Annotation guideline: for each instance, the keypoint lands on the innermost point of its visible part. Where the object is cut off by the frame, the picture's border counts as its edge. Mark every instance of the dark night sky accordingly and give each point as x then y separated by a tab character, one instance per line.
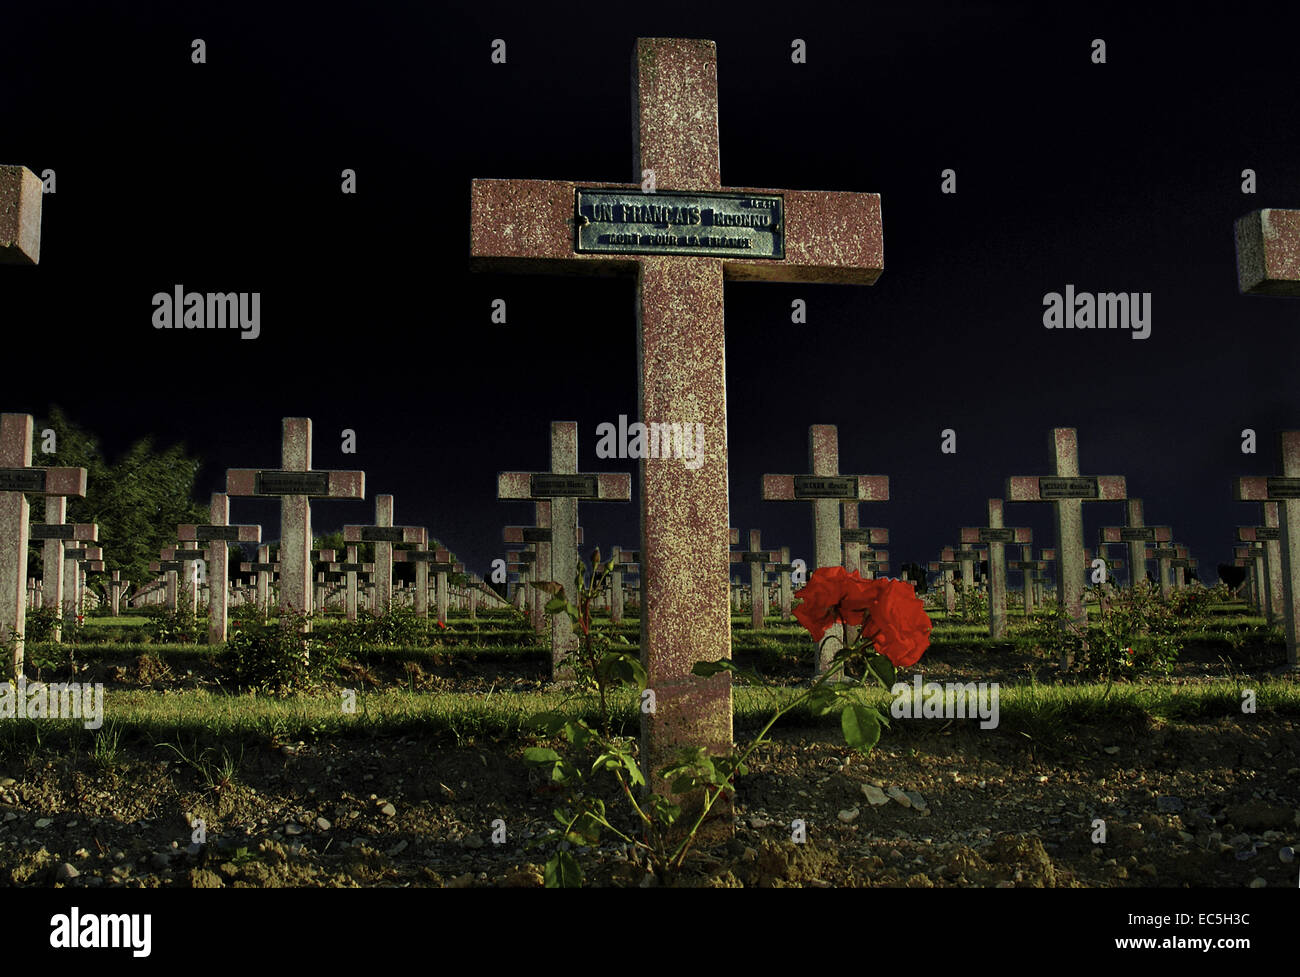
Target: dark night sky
225	176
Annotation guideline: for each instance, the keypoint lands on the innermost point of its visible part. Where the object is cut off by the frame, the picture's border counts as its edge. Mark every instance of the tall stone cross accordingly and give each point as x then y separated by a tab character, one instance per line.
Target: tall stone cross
997	536
970	559
625	561
116	588
20	216
438	561
782	568
1029	568
1164	555
756	558
564	486
1244	558
1067	490
681	242
1270	536
295	485
351	568
17	480
384	535
76	562
218	533
539	537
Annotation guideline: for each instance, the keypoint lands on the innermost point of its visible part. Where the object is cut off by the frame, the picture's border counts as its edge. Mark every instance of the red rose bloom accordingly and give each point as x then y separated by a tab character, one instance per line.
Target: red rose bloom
834	595
897	624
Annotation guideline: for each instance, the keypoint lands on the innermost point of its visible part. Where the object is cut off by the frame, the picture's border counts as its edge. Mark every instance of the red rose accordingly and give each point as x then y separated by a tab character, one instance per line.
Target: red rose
834	595
897	624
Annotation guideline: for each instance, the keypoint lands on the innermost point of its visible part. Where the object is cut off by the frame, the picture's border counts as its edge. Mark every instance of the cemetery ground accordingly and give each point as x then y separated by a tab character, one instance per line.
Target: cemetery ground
294	790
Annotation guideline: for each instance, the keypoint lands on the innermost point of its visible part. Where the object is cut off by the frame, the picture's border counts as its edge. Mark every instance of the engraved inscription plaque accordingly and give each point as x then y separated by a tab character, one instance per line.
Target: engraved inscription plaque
1284	488
1067	487
536	535
46	531
548	486
22	479
1261	532
994	535
292	483
720	225
756	557
1137	534
855	535
191	554
825	486
1164	553
207	534
381	534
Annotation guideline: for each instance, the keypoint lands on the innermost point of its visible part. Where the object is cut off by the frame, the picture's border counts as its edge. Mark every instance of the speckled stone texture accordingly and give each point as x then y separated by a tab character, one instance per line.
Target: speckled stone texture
757	588
1027	579
56	513
218	560
1273	565
20	216
1072	568
1268	252
527	226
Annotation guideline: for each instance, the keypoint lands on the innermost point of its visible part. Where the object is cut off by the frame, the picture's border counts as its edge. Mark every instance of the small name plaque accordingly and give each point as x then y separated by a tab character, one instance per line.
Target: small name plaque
720	225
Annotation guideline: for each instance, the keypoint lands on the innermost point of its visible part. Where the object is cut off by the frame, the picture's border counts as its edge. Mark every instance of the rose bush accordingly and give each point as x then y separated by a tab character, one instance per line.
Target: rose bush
887	611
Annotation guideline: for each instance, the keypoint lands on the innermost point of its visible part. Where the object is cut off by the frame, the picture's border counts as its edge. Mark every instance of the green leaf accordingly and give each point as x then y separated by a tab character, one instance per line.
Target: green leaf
540	755
550	586
884	670
577	733
550	722
860	726
556	604
709	669
563	872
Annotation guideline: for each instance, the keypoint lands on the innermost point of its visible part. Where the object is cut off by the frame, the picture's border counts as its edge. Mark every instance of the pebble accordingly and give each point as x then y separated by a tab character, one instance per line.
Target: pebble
849	815
758	823
899	796
1168	803
292	829
398	848
1186	836
44	822
874	795
1111	750
65	872
918	802
323	824
160	861
1237	840
388	810
472	841
1257	883
1286	855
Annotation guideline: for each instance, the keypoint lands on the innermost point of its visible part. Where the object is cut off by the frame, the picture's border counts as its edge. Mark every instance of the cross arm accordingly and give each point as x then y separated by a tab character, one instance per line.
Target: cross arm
868	488
1029	488
20	216
1268	252
605	487
243	483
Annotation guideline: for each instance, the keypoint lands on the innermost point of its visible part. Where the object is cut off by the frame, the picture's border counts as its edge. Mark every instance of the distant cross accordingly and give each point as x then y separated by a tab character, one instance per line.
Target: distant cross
945	565
1136	534
826	488
564	486
18	480
384	535
756	558
1270	536
854	537
295	485
438	562
534	226
625	561
997	536
783	568
55	533
1029	568
1067	490
218	532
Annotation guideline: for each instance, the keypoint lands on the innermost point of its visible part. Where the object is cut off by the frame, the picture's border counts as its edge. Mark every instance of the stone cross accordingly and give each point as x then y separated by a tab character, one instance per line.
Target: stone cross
265	571
384	535
116	588
1067	490
295	485
783	569
17	480
1268	252
1136	534
681	244
55	533
1242	558
854	537
20	216
76	560
1162	555
218	533
1028	567
970	559
539	536
351	568
625	561
946	564
756	558
439	561
826	488
564	486
1270	535
997	536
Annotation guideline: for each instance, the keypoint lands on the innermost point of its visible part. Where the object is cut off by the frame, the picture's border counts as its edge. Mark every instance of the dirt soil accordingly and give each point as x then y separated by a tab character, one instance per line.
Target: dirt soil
1211	803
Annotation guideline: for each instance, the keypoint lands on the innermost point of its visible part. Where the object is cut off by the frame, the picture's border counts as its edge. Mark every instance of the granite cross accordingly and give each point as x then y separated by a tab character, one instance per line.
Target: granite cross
54	533
17	480
945	565
384	535
218	532
997	536
1067	490
295	486
1270	535
854	536
681	242
1136	534
563	486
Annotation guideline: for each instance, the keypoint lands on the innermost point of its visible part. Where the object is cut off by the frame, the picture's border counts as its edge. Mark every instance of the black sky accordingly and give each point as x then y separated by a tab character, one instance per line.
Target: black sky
225	177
